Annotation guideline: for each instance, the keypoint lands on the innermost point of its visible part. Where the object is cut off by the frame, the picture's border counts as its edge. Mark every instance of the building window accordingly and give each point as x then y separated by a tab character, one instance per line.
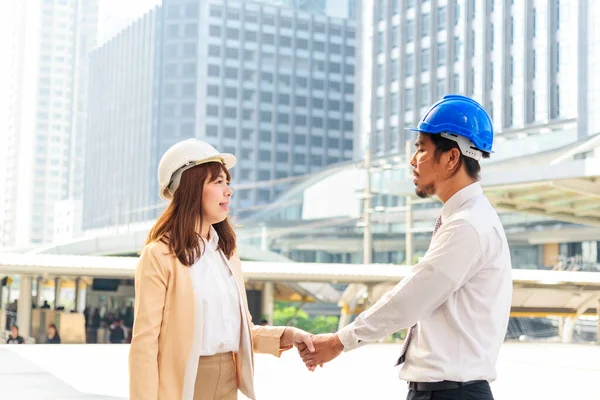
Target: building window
425	25
441	17
456	49
425	94
456	13
441	54
441	87
380	42
395	70
191	10
410	30
425	60
408	99
394	104
214	70
380	76
191	30
214	31
509	122
395	37
409	67
212	130
511	70
382	10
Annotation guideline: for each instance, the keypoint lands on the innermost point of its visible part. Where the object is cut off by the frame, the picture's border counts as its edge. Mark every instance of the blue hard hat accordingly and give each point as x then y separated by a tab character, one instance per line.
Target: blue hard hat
462	116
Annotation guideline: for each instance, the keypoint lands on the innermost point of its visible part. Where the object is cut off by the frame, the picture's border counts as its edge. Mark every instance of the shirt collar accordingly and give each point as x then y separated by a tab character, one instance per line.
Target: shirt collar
213	238
459	198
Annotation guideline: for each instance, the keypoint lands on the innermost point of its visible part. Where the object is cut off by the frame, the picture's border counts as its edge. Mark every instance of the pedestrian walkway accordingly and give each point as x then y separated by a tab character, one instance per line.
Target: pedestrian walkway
21	379
526	370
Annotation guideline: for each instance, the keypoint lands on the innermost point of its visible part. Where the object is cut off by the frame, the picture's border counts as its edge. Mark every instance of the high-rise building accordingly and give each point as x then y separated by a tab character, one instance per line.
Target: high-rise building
115	15
271	84
46	110
119	140
531	64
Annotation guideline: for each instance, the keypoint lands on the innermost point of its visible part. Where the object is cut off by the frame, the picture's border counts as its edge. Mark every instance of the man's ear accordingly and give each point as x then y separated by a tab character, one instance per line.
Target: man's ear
453	159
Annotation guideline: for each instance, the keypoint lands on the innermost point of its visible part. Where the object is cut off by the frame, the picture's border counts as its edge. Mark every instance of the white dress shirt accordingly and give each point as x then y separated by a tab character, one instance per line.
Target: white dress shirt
220	301
459	295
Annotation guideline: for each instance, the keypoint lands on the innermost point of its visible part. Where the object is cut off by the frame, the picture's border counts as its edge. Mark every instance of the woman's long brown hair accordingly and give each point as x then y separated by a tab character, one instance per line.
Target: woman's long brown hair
177	226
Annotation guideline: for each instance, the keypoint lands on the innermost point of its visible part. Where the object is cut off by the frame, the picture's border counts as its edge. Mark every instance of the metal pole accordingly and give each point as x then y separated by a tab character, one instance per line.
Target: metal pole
598	331
24	306
77	293
367	239
56	292
268	301
408	238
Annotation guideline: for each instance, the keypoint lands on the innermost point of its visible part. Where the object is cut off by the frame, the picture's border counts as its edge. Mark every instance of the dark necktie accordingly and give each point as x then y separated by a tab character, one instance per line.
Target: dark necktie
411	330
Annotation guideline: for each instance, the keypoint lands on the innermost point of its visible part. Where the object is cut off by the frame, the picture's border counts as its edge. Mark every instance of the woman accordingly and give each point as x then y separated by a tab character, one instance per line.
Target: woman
192	334
14	337
52	337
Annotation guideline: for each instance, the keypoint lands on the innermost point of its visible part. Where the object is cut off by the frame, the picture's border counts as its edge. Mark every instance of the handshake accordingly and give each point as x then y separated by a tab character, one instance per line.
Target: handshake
314	350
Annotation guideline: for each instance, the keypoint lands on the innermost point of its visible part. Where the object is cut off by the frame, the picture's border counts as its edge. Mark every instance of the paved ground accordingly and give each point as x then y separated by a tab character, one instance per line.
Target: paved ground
99	372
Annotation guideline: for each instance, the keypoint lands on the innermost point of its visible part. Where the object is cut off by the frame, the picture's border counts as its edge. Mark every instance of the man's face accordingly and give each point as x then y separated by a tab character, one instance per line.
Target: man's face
425	167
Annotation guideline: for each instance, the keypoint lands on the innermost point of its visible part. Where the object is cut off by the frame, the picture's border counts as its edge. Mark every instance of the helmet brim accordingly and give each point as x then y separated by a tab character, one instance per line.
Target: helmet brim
228	160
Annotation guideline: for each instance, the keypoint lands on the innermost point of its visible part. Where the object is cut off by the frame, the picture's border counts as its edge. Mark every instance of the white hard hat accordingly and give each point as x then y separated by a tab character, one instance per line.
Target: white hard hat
183	156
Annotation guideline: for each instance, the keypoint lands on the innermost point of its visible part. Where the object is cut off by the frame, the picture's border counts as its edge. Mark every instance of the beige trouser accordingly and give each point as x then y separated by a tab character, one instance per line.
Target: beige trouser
216	378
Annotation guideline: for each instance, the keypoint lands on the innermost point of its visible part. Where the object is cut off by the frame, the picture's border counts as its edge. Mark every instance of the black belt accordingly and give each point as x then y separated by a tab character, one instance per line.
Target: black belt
436	386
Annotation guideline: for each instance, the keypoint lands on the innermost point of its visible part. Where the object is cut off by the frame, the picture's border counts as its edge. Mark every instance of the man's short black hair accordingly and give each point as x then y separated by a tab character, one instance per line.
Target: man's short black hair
443	145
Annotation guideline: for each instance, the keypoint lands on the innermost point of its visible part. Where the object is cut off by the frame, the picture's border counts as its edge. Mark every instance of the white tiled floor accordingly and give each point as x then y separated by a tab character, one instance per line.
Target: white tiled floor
525	371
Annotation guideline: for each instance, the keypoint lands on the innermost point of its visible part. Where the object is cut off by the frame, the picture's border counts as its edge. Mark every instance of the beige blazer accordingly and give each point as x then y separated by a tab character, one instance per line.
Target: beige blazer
162	360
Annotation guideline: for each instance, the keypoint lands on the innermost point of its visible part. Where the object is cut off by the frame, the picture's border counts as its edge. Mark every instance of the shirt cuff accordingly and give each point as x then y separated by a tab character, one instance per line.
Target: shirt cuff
348	338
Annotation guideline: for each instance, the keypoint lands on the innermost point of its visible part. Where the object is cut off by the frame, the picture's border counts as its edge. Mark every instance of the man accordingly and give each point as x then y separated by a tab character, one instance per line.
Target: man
456	301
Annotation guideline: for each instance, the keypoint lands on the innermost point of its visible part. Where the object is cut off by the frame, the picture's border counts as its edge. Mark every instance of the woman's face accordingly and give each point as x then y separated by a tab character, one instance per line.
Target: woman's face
216	195
51	331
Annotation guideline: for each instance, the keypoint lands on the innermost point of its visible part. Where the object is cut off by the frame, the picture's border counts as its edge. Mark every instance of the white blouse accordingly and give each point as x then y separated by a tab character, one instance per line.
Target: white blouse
220	301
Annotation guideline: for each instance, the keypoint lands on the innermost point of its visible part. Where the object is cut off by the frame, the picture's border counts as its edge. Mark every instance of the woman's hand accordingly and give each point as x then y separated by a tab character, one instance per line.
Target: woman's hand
295	337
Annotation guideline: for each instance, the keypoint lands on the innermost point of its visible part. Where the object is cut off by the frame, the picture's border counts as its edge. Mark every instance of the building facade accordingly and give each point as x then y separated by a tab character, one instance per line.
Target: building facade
271	84
518	59
46	111
120	127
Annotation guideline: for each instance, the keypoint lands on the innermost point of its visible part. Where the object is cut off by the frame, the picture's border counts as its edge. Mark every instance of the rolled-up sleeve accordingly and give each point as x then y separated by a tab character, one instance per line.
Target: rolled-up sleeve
451	260
150	293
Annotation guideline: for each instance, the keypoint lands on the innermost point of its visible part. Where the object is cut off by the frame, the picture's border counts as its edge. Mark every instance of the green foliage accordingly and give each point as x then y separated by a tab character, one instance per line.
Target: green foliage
289	314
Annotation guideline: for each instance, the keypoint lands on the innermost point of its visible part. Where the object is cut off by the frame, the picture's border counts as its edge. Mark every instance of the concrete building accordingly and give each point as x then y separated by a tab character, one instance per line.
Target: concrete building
529	63
50	41
120	131
271	84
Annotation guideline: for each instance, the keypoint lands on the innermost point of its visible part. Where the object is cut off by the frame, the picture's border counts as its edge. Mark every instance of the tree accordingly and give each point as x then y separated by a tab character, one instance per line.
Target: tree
290	314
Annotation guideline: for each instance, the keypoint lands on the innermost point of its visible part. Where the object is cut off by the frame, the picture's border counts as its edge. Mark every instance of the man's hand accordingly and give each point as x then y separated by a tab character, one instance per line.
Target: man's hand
326	348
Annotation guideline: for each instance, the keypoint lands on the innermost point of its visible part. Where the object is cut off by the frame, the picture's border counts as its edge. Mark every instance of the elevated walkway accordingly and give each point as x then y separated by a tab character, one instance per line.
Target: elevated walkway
536	292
